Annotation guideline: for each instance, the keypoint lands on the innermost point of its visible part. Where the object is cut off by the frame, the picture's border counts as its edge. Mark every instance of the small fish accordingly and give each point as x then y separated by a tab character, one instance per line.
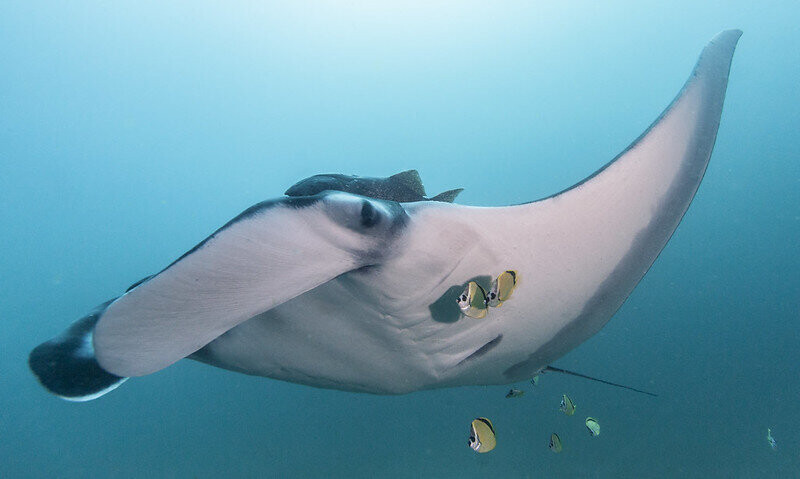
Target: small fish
473	301
567	406
555	443
502	287
535	380
515	393
593	426
481	435
771	440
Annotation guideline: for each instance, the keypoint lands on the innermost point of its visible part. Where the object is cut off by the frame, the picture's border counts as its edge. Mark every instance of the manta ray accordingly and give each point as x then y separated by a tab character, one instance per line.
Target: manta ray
336	287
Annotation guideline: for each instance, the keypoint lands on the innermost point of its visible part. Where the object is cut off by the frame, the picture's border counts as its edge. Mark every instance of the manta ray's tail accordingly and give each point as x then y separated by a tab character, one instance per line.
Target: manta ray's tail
66	365
573	373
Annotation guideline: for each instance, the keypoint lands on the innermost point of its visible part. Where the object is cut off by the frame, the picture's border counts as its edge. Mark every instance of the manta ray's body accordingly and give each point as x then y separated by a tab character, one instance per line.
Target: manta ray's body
357	293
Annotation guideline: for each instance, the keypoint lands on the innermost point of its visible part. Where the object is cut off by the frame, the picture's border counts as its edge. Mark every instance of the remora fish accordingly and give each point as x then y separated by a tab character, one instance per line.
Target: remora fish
352	292
403	187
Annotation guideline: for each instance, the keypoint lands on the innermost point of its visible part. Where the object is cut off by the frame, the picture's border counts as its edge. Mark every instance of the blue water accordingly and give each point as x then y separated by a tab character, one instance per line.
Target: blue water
131	130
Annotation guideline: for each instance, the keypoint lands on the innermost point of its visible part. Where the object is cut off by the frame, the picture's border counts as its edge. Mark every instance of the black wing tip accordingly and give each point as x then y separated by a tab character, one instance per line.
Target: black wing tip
67	375
66	365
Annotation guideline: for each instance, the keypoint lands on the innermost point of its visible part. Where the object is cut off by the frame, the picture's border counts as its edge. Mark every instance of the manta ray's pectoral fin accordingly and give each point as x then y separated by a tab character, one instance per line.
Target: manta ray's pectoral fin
269	254
582	251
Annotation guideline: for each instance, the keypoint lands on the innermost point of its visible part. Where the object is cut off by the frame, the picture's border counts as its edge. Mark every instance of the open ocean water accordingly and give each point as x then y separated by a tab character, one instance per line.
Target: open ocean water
131	130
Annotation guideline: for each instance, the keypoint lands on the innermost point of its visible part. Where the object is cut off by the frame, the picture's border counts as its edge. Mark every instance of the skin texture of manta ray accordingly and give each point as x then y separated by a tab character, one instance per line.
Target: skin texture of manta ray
315	289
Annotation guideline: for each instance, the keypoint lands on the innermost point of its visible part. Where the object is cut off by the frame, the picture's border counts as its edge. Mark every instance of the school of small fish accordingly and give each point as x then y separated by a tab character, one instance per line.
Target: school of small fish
483	438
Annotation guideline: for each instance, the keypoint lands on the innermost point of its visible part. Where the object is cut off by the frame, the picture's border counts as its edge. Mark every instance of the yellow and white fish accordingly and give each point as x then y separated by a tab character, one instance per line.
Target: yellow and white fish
593	426
567	406
502	287
473	301
555	443
481	435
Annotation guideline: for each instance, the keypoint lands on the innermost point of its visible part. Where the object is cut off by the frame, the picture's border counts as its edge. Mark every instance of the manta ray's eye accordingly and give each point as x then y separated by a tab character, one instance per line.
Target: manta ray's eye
363	215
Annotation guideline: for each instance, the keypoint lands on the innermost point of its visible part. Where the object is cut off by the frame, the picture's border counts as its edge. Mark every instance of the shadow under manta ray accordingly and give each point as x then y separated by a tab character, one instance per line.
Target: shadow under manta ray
339	290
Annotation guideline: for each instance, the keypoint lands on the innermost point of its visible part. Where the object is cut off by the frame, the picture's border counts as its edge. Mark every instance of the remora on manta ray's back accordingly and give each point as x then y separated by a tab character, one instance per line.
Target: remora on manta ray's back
356	293
402	187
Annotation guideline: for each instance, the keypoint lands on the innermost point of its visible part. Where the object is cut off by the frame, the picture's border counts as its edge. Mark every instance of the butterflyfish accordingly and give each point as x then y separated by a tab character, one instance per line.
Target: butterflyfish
555	443
481	435
567	406
593	426
502	287
473	301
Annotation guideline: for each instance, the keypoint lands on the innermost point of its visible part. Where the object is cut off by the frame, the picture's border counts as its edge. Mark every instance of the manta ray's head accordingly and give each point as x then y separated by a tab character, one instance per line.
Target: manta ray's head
364	215
365	227
319	183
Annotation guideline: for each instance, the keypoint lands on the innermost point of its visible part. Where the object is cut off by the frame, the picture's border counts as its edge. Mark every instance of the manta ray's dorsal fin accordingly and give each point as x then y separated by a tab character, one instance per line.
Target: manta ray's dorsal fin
573	373
411	179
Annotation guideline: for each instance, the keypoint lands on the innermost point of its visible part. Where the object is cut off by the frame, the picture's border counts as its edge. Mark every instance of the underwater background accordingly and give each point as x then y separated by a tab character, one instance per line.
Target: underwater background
129	131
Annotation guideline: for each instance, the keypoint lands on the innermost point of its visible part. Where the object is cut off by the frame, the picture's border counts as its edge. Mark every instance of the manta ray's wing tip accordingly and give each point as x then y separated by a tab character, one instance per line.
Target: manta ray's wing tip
727	37
722	46
734	33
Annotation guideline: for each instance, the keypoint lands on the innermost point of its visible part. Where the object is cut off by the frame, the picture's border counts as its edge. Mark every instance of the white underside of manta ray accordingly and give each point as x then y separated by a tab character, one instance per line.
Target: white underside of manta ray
343	291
